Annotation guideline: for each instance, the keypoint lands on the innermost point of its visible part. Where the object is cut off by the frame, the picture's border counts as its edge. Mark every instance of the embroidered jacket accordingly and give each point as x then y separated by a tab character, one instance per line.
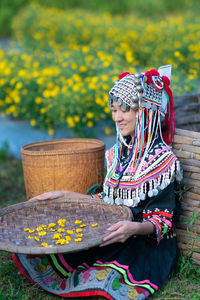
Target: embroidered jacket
147	187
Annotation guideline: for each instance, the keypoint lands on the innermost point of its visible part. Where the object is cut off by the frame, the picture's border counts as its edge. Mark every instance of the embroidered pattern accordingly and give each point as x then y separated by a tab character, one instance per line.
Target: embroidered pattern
158	170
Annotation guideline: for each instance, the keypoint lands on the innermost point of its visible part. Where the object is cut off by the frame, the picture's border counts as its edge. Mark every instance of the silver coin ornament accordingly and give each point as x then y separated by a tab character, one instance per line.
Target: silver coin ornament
123	105
119	101
108	200
135	98
137	81
134	106
139	88
118	201
150	193
142	196
128	202
137	75
155	192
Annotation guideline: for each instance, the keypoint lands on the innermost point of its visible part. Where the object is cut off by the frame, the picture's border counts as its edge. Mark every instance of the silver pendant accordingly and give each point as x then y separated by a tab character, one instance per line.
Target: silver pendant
150	193
128	202
108	200
142	196
155	192
118	201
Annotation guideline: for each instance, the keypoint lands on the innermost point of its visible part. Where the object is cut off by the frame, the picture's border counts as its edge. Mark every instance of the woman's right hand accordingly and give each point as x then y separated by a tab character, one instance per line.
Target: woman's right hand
49	195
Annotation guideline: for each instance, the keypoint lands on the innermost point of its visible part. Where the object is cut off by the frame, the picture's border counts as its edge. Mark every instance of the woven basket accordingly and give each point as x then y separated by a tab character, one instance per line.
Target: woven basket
67	164
33	214
187	149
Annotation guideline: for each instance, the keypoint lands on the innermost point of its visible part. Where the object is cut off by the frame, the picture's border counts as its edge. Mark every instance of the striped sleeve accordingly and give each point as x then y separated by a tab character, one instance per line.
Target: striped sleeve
159	211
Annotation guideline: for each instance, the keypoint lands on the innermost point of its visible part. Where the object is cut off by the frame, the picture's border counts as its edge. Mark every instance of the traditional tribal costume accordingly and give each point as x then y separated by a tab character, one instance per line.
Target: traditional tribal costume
141	175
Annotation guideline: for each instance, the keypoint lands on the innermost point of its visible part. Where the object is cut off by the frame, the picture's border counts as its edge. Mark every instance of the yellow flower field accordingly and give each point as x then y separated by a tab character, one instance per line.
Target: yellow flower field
66	62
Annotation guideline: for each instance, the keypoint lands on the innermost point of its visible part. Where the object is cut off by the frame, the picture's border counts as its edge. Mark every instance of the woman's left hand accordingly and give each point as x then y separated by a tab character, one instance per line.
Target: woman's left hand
120	232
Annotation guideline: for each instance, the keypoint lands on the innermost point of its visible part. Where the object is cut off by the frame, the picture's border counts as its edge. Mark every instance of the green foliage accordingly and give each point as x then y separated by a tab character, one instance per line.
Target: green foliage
12	182
186	268
147	8
8	9
4	151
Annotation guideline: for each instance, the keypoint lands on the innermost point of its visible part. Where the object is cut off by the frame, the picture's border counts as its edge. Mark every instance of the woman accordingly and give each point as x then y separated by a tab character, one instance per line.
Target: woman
136	257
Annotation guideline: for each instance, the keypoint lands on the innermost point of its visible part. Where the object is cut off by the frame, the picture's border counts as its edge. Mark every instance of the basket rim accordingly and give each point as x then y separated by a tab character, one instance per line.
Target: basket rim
99	146
10	247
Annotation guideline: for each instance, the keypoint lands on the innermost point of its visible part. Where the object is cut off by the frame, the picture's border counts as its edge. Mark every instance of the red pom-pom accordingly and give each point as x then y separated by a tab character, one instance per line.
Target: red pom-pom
154	72
149	74
166	80
123	75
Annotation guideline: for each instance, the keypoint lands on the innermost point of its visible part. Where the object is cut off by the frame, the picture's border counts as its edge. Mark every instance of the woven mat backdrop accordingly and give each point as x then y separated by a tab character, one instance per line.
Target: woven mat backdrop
187	149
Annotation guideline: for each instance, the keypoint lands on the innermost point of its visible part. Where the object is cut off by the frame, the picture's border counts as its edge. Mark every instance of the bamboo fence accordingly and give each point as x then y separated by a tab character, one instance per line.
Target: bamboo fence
187	148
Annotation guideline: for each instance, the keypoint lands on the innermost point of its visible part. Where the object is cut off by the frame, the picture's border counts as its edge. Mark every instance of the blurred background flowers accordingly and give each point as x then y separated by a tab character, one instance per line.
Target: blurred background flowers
61	57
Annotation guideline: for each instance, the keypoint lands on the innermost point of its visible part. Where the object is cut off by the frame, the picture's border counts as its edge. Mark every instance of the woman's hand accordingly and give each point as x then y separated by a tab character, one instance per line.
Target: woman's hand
121	231
59	194
49	195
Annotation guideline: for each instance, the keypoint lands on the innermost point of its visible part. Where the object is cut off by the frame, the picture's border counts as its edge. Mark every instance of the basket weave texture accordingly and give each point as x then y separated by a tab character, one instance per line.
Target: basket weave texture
187	149
67	164
32	214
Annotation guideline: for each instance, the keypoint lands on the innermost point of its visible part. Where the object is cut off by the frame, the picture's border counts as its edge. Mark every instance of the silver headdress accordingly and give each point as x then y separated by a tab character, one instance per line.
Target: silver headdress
150	90
141	90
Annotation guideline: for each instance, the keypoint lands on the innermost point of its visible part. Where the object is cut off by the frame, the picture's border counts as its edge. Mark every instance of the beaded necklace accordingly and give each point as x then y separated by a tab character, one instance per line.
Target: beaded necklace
118	173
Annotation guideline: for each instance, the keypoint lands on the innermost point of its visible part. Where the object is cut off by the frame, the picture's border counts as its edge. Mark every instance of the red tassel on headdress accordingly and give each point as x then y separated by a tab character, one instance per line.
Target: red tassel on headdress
169	122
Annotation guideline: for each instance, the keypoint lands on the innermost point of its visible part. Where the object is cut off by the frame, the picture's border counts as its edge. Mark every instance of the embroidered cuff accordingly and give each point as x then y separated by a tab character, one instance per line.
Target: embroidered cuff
98	196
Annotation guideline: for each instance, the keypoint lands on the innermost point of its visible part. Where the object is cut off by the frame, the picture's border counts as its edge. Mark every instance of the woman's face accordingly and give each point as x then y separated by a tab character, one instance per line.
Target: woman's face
125	120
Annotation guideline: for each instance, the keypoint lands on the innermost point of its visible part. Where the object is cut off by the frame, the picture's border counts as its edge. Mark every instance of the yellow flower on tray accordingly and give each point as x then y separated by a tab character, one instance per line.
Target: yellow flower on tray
44	245
79	235
61	222
61	230
57	236
39	228
42	233
29	230
51	225
78	240
82	225
78	222
70	231
62	242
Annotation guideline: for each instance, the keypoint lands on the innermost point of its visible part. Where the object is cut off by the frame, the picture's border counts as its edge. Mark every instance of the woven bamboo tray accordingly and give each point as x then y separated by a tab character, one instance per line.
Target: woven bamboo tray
187	149
32	214
67	164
